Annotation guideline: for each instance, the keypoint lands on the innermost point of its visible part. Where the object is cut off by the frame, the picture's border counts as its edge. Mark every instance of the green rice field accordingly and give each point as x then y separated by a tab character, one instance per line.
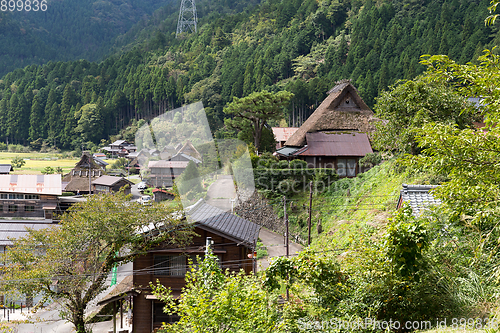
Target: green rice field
36	162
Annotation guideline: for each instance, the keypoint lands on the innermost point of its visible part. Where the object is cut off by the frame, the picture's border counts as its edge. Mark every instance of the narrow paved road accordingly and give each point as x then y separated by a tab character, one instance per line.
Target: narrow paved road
275	245
221	192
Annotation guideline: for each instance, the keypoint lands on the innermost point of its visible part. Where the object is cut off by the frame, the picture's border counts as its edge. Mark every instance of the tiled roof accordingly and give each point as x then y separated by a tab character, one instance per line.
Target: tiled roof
241	230
418	197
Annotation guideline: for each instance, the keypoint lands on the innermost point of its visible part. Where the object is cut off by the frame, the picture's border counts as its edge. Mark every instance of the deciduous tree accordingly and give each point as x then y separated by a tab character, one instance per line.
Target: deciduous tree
81	250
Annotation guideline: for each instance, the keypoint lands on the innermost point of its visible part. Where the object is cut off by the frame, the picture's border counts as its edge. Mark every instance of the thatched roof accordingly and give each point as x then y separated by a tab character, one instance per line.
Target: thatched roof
342	109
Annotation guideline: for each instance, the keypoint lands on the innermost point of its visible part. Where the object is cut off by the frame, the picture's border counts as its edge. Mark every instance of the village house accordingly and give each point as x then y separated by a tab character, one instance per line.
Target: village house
161	194
282	134
234	239
29	196
79	179
111	184
120	148
164	172
336	135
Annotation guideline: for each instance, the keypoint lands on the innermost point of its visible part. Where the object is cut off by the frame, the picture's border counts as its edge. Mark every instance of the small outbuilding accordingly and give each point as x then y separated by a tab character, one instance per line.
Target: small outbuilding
109	184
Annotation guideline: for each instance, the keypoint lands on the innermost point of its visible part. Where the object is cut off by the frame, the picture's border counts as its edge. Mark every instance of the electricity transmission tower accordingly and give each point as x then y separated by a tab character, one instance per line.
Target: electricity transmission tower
187	17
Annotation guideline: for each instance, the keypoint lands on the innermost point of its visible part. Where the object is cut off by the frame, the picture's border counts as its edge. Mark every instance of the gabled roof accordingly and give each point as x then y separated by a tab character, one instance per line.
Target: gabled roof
110	181
33	184
119	143
419	197
283	133
336	144
342	109
190	150
5	168
87	160
185	157
227	224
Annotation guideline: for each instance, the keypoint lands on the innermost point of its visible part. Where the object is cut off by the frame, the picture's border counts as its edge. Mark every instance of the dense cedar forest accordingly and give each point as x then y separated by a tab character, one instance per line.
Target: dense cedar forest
68	30
302	46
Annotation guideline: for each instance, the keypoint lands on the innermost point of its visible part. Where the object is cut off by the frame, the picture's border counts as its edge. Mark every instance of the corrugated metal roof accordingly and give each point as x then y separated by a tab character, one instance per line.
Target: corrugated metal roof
337	144
37	184
17	229
168	164
418	197
242	230
283	133
287	151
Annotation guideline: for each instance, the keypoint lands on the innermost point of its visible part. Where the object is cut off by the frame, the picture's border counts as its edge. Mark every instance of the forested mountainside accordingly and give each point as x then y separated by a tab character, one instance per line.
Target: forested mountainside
300	46
67	29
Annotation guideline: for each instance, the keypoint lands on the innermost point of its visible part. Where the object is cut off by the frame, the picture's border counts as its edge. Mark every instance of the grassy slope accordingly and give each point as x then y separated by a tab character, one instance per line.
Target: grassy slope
351	205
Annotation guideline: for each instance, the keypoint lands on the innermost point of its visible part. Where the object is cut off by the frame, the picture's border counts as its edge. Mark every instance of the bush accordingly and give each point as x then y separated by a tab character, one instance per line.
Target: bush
298	164
370	160
18	162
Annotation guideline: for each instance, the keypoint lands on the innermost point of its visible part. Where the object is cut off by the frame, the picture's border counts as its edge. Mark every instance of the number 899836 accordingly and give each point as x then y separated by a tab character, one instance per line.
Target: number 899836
23	5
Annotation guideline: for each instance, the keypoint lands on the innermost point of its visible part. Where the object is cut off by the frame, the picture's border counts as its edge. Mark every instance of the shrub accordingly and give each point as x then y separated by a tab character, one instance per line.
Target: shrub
18	162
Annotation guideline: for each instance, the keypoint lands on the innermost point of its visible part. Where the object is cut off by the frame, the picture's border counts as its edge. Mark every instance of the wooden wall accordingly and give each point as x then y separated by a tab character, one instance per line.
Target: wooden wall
233	257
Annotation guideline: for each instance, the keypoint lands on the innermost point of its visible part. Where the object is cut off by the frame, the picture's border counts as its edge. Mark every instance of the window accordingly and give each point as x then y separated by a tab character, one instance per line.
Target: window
12	208
341	167
29	208
346	167
4	196
172	265
32	196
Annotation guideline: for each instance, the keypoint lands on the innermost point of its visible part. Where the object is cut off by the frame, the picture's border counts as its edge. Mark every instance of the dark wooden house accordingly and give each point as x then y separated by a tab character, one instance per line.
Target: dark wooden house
161	194
79	179
110	184
336	135
233	238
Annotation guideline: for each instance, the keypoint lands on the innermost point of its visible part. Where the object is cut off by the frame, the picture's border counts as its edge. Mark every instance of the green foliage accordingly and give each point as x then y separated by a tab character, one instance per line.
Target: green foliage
370	160
216	301
120	163
467	156
18	162
301	47
48	170
405	241
409	105
189	183
82	249
321	274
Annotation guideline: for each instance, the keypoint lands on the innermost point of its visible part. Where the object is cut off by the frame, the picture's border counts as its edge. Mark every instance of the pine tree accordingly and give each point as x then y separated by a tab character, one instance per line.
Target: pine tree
36	117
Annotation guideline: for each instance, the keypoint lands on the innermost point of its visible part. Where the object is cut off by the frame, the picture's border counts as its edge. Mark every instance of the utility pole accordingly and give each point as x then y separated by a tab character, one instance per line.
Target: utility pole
310	213
286	242
187	18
